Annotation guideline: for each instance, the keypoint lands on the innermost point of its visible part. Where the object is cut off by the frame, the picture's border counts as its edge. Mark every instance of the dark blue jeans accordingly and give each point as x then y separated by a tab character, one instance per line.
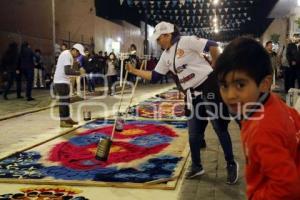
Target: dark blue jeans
91	82
197	128
209	104
111	80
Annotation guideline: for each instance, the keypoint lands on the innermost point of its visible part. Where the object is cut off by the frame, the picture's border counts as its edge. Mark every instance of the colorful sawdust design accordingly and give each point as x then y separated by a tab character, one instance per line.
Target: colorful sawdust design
159	110
45	192
171	95
137	155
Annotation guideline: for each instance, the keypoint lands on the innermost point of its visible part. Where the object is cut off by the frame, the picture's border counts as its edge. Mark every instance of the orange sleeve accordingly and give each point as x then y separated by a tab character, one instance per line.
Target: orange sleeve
278	168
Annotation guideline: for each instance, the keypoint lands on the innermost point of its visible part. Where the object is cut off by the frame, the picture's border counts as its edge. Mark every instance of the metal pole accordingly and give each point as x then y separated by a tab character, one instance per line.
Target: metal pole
121	73
69	40
146	30
146	39
53	29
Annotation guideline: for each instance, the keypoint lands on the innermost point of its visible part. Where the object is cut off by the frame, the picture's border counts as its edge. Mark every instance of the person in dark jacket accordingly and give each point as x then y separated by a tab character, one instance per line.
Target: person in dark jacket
100	68
291	55
27	68
10	68
90	66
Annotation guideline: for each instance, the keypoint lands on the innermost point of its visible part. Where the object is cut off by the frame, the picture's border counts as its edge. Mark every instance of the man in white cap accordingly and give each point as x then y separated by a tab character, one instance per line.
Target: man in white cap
62	82
183	57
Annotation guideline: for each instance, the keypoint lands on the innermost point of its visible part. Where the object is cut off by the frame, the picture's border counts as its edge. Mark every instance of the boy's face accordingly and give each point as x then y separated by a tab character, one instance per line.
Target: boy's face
239	89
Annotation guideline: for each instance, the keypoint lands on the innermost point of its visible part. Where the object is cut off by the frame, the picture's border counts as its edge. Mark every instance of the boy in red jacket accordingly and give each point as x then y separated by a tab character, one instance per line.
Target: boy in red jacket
270	130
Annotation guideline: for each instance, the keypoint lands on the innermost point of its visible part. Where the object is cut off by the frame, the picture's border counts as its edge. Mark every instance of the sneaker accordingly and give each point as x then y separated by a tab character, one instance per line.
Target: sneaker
232	173
194	172
35	86
65	124
70	121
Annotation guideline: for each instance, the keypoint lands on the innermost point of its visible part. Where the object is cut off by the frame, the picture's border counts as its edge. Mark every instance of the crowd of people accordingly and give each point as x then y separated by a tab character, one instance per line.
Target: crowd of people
18	63
22	62
285	62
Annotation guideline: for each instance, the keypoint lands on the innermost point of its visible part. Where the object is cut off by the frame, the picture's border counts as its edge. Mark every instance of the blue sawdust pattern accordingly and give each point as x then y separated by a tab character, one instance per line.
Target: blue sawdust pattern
151	140
155	168
23	165
102	123
97	124
65	173
87	139
26	166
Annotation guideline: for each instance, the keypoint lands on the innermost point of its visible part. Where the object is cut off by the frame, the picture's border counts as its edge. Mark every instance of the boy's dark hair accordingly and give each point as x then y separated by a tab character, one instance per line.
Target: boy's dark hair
269	42
247	55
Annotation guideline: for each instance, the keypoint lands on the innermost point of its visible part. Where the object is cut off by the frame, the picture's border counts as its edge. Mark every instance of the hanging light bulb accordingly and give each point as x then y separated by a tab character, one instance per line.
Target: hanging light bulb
215	2
215	19
216	30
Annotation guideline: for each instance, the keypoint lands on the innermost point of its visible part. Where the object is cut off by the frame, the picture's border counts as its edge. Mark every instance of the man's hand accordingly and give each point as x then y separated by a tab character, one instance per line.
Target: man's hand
129	67
17	71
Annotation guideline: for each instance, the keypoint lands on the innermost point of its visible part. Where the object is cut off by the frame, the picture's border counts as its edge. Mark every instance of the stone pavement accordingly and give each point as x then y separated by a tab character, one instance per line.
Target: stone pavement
15	106
18	132
212	186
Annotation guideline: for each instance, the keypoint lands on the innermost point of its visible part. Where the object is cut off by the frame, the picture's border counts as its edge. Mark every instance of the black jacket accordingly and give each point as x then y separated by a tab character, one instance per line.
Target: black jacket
90	64
291	53
10	61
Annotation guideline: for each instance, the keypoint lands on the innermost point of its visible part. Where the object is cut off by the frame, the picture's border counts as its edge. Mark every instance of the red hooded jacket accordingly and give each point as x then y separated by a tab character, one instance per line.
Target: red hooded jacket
272	149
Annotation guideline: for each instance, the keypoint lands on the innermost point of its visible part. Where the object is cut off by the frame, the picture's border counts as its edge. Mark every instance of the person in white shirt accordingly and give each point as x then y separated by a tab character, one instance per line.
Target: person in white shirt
182	56
62	82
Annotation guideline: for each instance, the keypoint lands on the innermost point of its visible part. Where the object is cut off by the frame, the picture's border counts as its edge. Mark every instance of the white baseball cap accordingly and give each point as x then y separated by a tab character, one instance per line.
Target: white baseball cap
80	48
162	28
